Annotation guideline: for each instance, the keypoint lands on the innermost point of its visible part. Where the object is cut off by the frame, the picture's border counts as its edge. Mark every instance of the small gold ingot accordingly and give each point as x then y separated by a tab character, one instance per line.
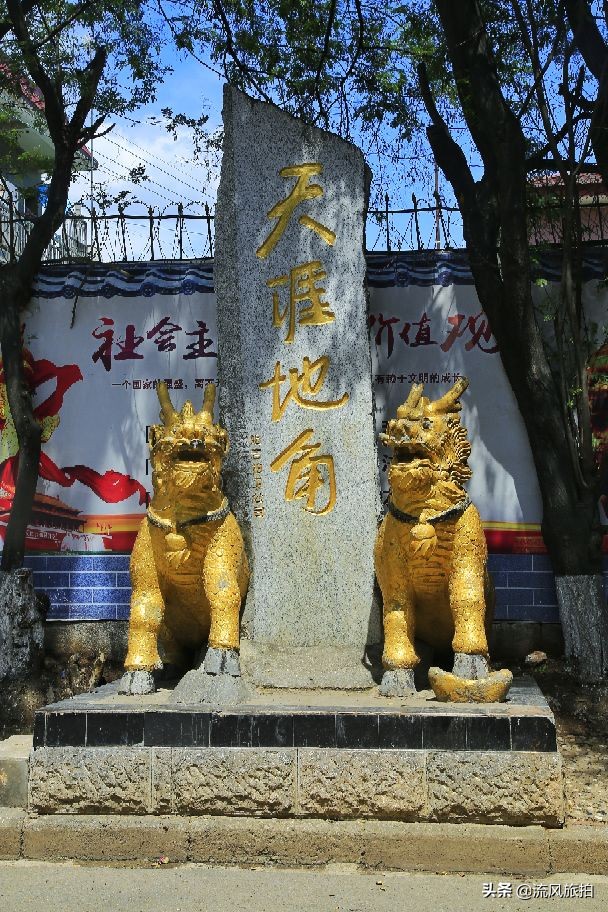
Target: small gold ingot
449	688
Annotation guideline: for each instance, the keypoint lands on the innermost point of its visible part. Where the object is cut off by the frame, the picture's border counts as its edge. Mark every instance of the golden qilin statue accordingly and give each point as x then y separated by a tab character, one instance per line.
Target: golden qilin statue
189	570
431	555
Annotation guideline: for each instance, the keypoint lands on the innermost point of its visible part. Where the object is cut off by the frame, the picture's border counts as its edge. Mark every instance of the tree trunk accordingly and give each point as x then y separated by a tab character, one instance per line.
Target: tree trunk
13	295
22	614
582	607
495	225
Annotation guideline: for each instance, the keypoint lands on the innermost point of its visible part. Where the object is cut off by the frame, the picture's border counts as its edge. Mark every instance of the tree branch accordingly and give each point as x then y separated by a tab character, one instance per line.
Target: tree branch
232	52
91	75
448	154
324	53
587	36
53	103
7	25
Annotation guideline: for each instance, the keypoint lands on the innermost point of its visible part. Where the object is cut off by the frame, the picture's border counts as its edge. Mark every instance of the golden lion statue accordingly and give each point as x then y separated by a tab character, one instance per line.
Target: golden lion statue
189	570
431	555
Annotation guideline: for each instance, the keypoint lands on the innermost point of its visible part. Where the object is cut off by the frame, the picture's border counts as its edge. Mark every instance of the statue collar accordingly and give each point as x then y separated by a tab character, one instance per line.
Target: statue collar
450	513
166	524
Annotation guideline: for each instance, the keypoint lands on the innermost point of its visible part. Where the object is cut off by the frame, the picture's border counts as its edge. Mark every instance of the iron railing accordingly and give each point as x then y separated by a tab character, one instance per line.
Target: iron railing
124	235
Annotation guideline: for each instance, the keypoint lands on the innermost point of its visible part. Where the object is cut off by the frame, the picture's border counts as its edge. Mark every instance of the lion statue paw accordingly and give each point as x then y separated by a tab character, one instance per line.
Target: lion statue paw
137	683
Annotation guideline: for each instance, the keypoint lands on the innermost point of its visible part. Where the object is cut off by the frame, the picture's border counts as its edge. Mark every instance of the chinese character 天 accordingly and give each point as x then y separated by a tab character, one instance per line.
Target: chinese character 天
303	190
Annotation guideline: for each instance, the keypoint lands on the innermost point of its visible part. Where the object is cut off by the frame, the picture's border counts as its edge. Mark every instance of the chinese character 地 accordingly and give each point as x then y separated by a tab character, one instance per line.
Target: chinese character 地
302	385
303	286
283	210
309	473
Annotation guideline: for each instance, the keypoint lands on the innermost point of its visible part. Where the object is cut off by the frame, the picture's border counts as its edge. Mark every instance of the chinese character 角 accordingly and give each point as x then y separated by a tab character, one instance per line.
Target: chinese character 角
283	210
308	473
302	385
303	286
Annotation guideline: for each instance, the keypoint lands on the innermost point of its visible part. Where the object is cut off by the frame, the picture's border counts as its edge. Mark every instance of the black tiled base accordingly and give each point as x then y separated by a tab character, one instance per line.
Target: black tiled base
86	721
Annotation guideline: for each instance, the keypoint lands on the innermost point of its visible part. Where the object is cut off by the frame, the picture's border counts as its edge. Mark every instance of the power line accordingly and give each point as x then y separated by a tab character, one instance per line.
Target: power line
150	161
124	178
128	180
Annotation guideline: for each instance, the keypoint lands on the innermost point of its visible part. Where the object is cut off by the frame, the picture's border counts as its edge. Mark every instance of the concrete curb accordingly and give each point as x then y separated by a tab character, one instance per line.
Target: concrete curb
386	845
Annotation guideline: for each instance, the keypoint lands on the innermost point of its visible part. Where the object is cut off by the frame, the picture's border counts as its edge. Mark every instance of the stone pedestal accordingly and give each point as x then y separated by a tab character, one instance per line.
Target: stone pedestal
301	754
295	388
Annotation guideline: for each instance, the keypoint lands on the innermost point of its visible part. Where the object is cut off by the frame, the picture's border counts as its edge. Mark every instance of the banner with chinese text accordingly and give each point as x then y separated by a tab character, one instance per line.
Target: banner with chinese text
98	339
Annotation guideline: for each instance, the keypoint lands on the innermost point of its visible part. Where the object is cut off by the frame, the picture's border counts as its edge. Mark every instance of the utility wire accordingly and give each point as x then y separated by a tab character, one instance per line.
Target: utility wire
151	162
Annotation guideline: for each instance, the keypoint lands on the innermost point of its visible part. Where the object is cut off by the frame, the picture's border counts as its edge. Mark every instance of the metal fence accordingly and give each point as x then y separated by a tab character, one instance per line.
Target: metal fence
148	234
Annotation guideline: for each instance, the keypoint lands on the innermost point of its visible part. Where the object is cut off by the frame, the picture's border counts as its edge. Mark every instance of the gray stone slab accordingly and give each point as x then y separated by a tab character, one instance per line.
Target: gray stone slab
76	780
234	781
11	828
105	838
302	480
387	784
525	698
14	754
513	787
305	667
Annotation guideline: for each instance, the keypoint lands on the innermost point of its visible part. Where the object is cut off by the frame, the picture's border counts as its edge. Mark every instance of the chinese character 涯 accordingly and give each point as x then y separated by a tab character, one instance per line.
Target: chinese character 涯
303	190
303	286
309	473
302	385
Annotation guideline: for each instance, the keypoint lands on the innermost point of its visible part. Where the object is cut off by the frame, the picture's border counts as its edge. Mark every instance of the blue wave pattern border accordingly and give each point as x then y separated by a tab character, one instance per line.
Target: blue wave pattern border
384	270
128	280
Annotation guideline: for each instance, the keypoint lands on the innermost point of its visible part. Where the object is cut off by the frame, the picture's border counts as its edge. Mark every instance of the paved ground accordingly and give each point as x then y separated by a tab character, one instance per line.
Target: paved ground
33	885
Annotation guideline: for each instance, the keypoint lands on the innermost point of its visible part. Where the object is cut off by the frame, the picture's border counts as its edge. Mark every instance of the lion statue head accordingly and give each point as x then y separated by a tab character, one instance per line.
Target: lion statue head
187	451
430	448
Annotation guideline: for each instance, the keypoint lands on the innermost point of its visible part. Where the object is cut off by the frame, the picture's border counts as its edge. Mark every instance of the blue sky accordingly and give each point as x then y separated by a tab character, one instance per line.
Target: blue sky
174	176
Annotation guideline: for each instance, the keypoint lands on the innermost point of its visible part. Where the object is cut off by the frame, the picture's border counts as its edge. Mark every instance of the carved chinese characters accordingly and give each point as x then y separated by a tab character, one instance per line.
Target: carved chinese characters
308	471
295	378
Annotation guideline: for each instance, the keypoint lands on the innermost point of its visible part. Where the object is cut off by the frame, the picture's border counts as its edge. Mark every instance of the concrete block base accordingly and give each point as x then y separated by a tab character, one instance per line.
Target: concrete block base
364	844
498	787
14	753
329	755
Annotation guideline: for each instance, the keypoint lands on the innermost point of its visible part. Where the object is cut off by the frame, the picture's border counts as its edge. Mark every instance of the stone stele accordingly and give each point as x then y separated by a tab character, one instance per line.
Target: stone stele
295	391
